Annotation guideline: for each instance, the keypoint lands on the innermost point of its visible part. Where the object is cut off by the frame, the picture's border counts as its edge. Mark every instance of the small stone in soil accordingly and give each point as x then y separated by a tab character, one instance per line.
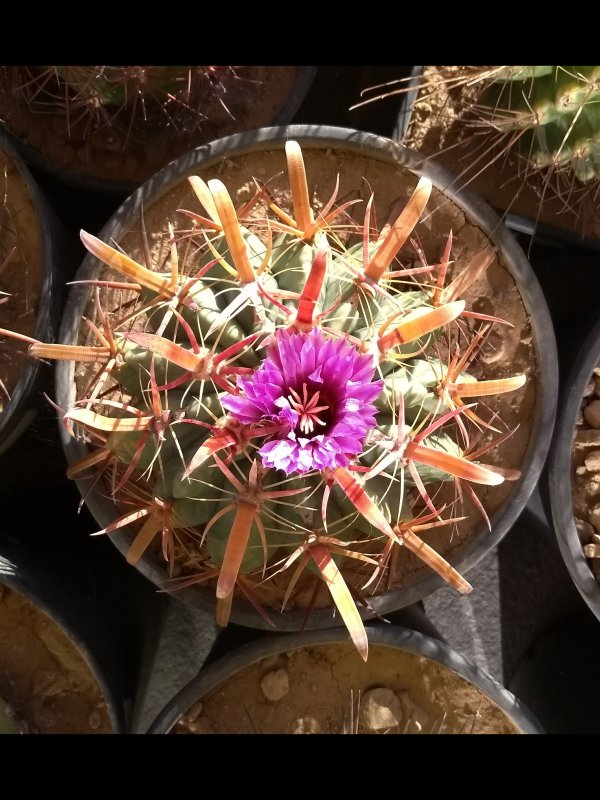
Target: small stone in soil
580	470
306	725
417	720
592	551
194	712
585	531
275	684
592	461
595	517
200	726
579	419
591	414
95	720
589	389
589	438
380	709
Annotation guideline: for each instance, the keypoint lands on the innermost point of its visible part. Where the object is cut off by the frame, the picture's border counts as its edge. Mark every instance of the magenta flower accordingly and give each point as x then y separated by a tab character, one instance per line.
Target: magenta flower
317	391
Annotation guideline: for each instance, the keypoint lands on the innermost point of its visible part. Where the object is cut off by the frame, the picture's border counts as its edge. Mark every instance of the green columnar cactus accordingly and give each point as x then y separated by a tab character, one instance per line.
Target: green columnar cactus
278	400
552	113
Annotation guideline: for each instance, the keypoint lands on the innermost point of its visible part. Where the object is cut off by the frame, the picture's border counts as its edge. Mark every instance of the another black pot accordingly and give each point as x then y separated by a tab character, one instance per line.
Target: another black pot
26	398
559	469
396	638
394	155
79	180
54	588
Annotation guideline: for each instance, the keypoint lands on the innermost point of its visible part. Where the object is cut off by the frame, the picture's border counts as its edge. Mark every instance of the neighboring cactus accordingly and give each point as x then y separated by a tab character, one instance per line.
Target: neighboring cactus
280	400
547	116
129	98
552	114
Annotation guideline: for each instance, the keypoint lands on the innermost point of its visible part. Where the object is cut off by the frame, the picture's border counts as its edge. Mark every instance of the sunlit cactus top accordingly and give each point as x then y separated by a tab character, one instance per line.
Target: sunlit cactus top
278	405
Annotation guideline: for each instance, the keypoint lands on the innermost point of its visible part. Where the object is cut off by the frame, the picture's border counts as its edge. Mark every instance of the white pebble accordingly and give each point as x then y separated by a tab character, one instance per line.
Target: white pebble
592	461
591	414
380	709
275	684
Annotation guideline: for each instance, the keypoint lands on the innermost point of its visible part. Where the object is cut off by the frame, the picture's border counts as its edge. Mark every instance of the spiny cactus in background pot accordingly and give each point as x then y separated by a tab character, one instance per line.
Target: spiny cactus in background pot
283	399
526	137
549	114
119	124
127	99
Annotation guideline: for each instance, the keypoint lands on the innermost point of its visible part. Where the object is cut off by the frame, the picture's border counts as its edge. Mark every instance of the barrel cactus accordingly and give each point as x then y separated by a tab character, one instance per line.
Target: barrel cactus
282	397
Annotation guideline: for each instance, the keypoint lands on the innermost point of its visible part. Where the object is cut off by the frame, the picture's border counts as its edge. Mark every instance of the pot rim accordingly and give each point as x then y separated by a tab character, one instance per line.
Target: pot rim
59	610
80	180
23	404
392	637
559	470
385	150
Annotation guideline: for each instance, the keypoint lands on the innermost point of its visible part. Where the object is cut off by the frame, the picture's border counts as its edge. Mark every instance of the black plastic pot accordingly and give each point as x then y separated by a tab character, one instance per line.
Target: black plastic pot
55	590
79	180
390	153
388	636
407	99
26	398
559	469
516	222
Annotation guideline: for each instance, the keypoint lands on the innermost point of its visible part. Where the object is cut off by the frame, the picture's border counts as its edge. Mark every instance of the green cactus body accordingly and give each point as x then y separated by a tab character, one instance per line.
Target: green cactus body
386	493
558	110
179	437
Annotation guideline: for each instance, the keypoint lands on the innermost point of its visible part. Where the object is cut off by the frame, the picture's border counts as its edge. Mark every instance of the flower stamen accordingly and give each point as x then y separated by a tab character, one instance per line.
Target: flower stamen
307	409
